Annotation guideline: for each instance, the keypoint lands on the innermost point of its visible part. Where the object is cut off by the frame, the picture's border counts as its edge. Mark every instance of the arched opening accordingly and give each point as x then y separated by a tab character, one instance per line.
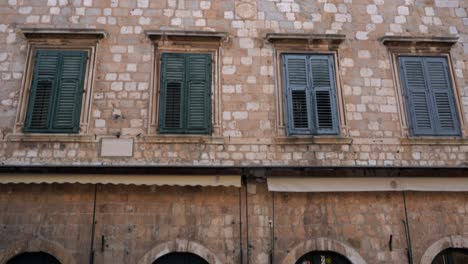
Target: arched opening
452	256
33	257
322	257
180	258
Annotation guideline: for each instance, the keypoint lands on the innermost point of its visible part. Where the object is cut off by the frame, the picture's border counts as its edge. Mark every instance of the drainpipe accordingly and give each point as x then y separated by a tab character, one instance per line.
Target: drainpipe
93	228
409	249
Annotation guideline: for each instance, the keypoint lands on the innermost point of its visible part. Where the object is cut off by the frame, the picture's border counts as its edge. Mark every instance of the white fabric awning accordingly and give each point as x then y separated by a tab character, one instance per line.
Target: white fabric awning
358	184
129	179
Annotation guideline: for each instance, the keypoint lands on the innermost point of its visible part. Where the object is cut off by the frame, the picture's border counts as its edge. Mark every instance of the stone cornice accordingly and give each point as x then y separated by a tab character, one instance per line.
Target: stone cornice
180	35
422	41
301	38
63	33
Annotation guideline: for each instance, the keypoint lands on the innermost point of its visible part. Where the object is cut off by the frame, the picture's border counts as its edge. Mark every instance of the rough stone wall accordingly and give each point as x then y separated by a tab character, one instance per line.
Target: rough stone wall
138	223
247	74
58	214
133	220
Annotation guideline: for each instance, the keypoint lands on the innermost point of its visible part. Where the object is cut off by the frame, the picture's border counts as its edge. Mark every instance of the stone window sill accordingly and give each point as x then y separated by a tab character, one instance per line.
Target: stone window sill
77	138
313	140
434	141
178	139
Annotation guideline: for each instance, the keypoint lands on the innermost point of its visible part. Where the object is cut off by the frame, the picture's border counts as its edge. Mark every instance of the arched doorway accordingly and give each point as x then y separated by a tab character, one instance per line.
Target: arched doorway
33	257
322	257
452	256
180	258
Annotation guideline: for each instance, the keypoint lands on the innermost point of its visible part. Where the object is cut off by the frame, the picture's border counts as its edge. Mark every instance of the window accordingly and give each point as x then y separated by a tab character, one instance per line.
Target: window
185	96
429	96
310	91
56	91
322	257
452	256
180	258
55	99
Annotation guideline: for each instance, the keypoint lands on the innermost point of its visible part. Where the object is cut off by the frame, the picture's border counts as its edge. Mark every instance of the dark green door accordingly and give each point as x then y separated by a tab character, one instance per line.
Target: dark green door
180	258
322	257
34	258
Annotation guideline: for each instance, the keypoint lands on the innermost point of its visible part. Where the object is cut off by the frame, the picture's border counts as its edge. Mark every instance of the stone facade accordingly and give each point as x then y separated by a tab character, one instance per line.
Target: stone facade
137	224
250	123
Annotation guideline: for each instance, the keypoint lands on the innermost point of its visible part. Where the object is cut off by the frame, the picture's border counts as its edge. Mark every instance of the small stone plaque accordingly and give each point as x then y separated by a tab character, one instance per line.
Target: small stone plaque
116	147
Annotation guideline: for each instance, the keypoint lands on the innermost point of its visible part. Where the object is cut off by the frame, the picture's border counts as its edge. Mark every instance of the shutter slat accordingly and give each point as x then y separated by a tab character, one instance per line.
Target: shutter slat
299	109
41	104
69	94
199	85
323	94
173	105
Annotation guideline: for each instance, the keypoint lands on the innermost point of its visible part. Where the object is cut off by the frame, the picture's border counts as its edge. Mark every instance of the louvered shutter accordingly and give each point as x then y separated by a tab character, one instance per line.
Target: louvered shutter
56	92
417	95
46	70
172	83
297	96
198	93
446	120
429	96
69	92
323	95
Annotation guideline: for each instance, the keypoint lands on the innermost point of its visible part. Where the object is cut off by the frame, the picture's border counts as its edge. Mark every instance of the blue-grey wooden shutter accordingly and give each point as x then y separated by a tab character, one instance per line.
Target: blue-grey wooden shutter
56	92
298	114
198	93
429	96
417	95
446	119
45	75
66	117
172	94
323	95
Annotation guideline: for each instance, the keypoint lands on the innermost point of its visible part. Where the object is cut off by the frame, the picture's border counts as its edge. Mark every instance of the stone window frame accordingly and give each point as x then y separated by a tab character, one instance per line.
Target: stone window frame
177	41
398	46
320	44
58	39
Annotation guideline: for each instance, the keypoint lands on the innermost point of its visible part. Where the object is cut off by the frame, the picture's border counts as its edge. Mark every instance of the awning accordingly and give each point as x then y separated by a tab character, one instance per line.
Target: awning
127	179
366	184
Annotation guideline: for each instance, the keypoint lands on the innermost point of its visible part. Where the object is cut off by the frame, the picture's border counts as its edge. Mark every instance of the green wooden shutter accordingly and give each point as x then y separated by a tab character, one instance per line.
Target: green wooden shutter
198	93
429	96
69	93
172	94
323	94
44	81
298	114
56	92
446	119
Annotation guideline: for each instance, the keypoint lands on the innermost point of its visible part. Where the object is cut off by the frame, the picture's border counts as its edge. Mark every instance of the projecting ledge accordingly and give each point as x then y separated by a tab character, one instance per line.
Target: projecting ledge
205	36
434	41
301	38
64	33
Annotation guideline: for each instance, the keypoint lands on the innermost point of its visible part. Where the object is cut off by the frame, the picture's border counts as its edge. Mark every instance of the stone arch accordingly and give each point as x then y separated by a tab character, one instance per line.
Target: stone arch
440	245
180	245
37	245
323	244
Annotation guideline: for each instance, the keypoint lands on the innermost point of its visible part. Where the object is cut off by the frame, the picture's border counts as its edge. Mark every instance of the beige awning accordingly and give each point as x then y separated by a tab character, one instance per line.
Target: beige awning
366	184
130	179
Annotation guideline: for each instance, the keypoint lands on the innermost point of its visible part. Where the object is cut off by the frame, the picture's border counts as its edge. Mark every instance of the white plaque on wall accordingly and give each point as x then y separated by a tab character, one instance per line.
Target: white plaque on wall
116	147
